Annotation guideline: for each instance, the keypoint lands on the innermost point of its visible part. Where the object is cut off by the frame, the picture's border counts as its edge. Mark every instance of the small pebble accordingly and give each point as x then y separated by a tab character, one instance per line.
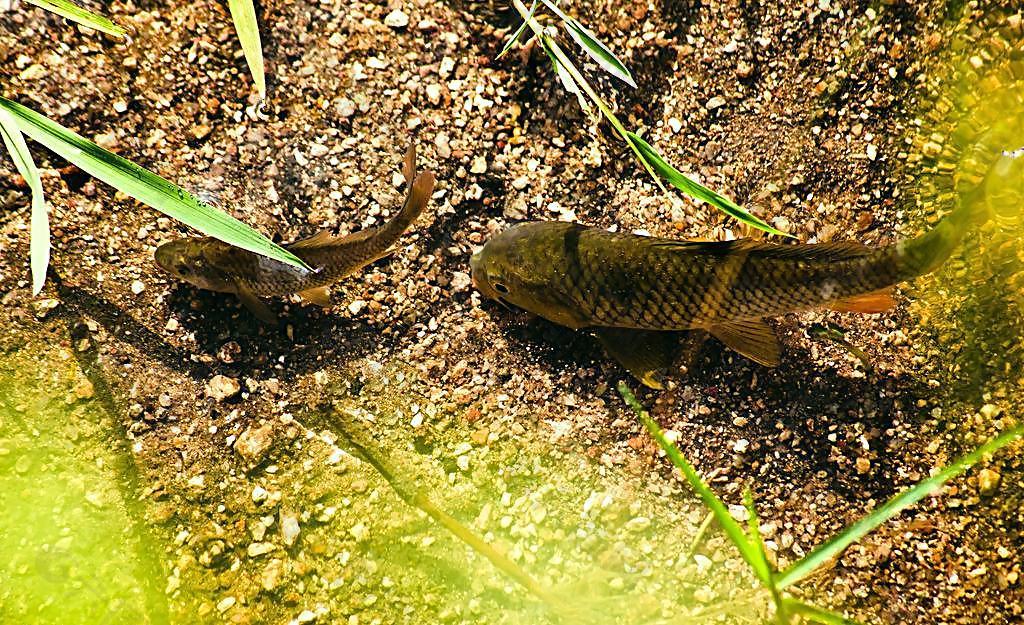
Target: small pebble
988	482
396	19
221	387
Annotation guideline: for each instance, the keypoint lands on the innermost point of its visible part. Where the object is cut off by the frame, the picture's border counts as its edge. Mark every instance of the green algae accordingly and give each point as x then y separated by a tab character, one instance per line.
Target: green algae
72	551
965	148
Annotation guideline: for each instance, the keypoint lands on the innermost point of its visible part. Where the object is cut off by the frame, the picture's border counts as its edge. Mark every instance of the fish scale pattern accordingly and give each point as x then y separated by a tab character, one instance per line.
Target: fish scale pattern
630	281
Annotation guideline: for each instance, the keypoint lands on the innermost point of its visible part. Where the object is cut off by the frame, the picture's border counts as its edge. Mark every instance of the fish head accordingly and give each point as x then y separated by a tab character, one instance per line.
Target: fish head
521	268
192	260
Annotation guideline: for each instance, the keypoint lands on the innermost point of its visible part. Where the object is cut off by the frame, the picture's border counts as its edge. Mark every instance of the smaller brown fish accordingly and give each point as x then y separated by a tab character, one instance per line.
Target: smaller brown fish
211	264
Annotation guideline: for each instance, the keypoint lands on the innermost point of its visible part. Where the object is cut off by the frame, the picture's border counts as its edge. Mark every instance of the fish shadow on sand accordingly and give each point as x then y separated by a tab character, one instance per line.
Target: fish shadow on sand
126	328
219	320
801	396
305	339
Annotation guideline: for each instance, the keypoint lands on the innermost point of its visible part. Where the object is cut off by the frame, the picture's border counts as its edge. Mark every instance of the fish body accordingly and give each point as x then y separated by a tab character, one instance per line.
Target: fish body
211	264
630	289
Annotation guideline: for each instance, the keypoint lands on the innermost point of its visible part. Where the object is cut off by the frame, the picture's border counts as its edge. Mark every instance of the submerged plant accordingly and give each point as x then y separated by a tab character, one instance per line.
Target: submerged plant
576	83
77	14
243	14
750	546
120	173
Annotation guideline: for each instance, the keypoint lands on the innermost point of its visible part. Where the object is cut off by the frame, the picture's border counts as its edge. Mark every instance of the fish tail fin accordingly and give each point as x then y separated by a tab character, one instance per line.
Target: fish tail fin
927	252
377	241
420	187
998	197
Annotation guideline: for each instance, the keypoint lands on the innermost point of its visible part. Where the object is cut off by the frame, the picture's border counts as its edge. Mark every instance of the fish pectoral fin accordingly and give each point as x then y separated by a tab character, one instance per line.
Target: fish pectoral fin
752	338
646	354
318	296
873	302
256	306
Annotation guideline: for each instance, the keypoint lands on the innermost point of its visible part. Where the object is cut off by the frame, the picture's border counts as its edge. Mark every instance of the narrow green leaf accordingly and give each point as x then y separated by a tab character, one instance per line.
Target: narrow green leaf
82	16
828	550
697	190
39	232
565	76
243	14
815	614
729	525
590	44
762	568
519	31
143	184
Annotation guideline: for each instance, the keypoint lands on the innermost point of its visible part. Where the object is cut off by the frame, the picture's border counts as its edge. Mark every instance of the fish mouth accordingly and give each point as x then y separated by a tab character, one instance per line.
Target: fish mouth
476	275
506	304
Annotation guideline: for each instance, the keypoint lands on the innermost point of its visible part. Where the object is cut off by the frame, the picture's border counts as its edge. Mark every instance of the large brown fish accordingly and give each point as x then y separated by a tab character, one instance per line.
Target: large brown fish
629	290
217	266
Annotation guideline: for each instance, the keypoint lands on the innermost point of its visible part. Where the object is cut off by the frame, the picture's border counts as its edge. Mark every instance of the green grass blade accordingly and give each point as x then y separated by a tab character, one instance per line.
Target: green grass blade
815	614
729	525
826	551
82	16
590	44
143	184
696	190
519	32
761	568
39	232
552	48
243	14
565	76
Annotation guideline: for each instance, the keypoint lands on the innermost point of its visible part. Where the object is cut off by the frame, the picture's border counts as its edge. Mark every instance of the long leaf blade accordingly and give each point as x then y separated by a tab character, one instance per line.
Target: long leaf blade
729	525
243	14
519	31
82	16
762	567
696	190
39	229
826	551
563	74
590	44
142	184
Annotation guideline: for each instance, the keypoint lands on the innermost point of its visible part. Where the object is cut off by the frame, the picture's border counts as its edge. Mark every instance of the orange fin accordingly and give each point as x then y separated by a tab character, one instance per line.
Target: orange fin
873	302
751	337
318	296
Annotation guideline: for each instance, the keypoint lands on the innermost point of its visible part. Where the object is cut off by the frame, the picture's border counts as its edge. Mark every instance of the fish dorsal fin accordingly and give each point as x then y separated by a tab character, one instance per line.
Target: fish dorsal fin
646	354
318	296
834	251
320	239
752	338
869	303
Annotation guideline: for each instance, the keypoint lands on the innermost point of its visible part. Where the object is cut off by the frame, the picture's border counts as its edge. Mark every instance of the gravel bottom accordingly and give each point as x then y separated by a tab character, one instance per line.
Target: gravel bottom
810	113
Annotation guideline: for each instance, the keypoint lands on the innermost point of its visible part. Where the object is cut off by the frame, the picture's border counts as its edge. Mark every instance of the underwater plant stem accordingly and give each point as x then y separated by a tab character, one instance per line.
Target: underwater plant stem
498	559
569	67
415	497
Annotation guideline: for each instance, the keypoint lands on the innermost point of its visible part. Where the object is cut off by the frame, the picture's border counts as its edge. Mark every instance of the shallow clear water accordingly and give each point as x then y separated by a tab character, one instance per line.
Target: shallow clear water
73	553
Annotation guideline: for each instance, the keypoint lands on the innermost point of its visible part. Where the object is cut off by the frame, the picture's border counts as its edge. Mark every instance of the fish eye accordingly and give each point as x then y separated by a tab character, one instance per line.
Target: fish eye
501	288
